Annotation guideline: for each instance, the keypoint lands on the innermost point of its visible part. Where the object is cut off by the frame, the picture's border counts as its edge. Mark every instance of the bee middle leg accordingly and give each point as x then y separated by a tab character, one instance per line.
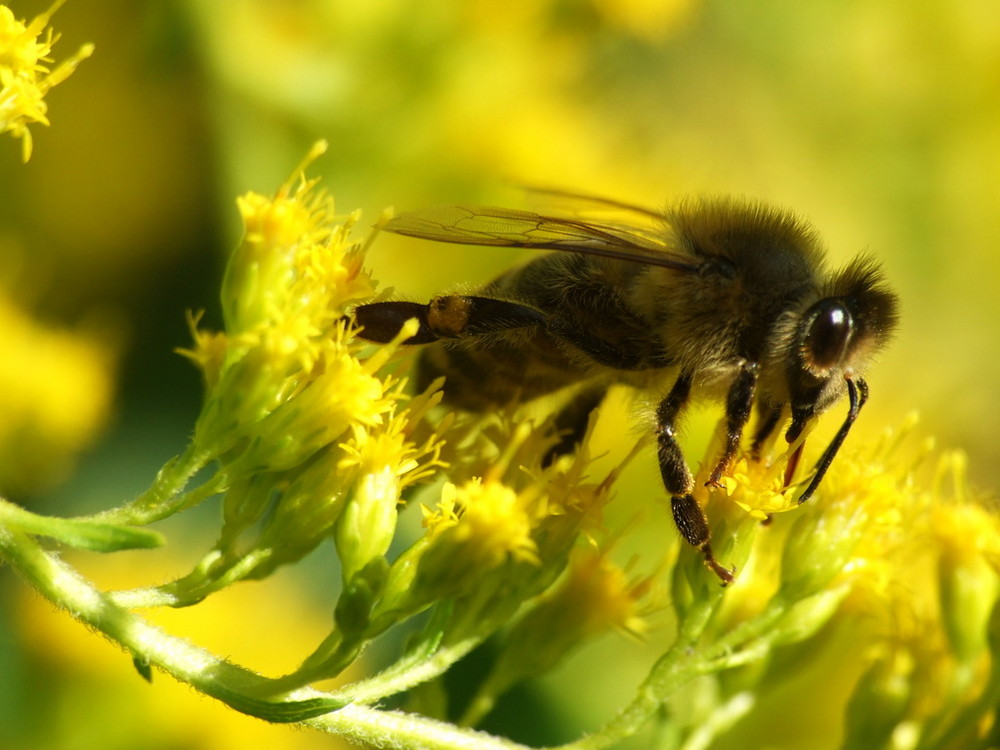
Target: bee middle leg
689	517
739	402
571	422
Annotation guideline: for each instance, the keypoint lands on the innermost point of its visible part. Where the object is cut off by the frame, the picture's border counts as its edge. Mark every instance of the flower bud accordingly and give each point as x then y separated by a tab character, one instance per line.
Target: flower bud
880	702
968	583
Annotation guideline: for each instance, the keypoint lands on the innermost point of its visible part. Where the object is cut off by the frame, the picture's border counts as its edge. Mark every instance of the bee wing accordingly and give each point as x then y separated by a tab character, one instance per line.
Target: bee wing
587	201
505	227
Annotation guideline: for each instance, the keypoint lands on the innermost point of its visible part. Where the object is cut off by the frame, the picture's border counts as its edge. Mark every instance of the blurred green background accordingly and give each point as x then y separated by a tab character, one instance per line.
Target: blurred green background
880	121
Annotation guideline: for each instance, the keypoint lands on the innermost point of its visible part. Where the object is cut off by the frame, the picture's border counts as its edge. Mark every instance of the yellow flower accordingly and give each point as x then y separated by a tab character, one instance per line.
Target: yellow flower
906	569
968	574
295	265
285	375
56	389
758	488
25	78
209	351
382	463
485	523
310	439
594	596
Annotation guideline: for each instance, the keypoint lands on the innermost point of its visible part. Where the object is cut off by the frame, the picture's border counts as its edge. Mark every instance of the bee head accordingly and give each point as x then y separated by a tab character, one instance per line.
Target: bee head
837	336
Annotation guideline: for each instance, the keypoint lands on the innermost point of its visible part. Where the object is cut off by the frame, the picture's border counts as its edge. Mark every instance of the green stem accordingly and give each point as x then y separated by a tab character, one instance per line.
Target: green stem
424	661
680	664
337	651
394	681
394	730
208	577
229	683
165	496
748	631
79	533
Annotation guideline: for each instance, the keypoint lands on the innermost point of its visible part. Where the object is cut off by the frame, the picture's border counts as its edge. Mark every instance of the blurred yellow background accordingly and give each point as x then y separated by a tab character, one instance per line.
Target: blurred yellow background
878	121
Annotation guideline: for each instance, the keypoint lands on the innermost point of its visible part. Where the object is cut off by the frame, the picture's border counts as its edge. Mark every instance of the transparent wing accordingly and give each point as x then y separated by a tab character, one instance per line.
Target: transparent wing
505	227
585	203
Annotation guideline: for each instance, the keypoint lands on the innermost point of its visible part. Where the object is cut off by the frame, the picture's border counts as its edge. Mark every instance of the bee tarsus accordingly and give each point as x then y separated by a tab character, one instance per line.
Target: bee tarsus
693	525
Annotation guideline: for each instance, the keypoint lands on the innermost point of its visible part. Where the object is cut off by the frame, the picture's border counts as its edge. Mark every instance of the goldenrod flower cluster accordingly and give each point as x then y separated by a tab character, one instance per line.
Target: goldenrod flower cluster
25	75
309	439
311	436
48	416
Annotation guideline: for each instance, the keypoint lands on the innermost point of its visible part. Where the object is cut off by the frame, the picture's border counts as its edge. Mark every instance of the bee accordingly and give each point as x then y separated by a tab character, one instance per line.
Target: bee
721	297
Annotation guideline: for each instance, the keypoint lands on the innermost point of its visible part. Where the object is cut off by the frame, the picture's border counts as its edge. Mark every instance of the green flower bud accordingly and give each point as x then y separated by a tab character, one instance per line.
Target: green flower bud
880	702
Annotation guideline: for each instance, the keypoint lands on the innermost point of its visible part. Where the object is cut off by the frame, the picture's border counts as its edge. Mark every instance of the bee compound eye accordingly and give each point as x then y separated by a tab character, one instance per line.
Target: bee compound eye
828	332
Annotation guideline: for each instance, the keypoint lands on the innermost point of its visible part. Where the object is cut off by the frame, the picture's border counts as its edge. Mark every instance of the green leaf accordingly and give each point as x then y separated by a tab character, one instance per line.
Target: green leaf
89	535
280	712
143	667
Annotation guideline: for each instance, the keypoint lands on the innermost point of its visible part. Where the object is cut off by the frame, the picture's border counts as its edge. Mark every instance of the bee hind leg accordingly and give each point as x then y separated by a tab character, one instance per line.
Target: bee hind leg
447	317
381	322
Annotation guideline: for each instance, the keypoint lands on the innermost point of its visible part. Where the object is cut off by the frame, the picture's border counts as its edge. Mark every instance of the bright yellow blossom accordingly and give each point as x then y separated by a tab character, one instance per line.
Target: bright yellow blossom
56	389
25	77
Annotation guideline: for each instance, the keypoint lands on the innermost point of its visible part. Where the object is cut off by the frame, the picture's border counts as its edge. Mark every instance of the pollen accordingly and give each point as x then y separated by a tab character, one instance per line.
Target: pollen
757	488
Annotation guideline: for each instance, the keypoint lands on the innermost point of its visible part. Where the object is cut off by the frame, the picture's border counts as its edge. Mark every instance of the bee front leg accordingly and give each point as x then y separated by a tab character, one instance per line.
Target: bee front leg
688	515
447	317
739	401
857	393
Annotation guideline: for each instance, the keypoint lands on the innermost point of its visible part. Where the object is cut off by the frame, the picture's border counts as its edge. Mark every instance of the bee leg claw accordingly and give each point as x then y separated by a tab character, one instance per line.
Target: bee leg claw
693	525
725	574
